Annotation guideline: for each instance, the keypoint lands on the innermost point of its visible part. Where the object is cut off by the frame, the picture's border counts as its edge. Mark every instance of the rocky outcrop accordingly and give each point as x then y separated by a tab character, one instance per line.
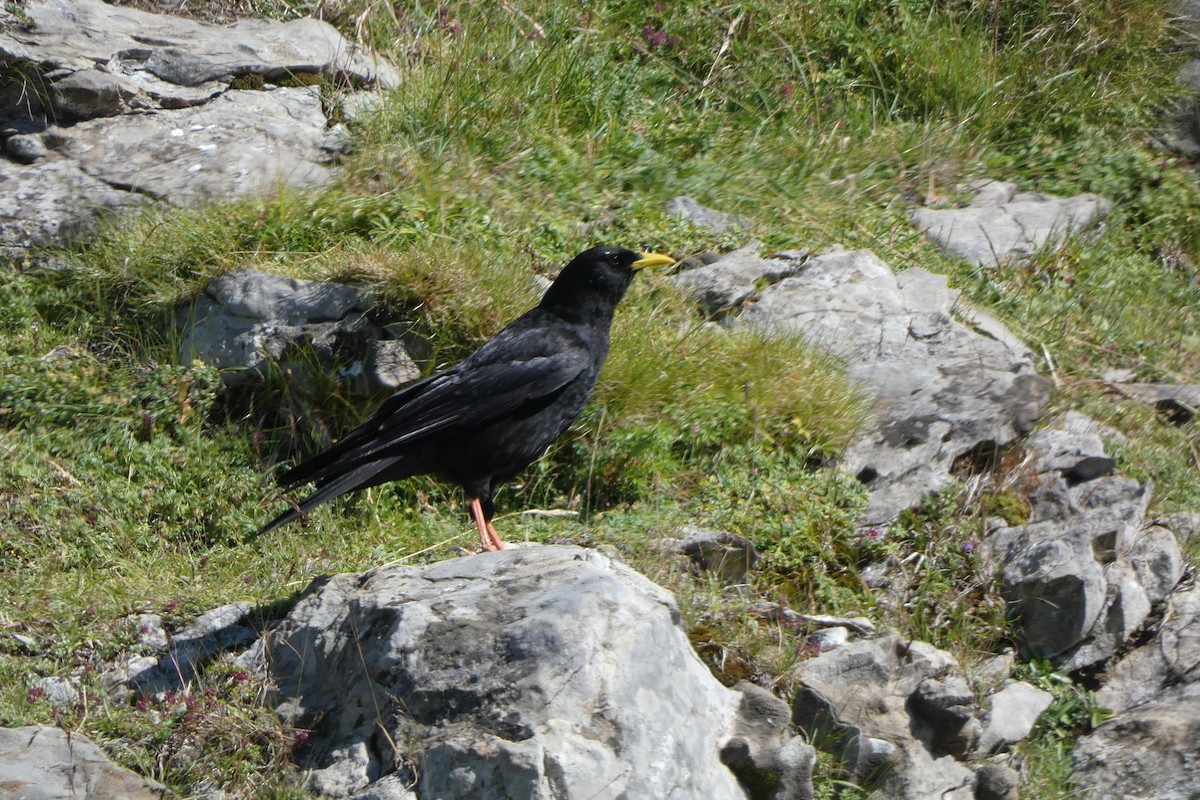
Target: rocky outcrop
43	763
249	322
905	720
535	672
1001	225
942	389
1153	690
1147	753
1084	574
109	107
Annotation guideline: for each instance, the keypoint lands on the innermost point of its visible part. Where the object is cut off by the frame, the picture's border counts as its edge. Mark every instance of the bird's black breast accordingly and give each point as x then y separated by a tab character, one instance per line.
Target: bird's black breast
496	450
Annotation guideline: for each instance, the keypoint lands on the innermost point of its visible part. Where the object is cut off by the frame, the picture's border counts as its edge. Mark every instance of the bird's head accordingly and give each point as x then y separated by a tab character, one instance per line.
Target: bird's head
596	279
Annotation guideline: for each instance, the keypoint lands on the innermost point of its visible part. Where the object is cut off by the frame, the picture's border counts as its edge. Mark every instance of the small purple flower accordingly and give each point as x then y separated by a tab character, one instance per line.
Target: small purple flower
874	534
35	693
241	676
655	37
968	546
301	737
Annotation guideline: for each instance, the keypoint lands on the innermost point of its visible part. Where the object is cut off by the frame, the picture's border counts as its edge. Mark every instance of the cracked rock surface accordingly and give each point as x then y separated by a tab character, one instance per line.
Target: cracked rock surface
945	380
534	672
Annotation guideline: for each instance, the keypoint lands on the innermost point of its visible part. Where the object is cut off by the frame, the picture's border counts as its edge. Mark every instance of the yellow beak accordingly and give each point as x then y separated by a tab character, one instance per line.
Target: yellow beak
653	260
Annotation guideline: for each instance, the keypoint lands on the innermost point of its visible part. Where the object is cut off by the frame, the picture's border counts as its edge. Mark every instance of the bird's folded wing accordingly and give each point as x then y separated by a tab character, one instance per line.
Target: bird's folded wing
463	397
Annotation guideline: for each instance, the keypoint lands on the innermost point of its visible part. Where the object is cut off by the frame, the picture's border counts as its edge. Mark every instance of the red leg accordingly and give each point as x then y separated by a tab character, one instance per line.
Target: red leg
487	534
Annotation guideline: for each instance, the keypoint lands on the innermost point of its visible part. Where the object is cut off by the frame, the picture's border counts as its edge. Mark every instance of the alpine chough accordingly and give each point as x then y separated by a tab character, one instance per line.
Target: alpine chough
485	419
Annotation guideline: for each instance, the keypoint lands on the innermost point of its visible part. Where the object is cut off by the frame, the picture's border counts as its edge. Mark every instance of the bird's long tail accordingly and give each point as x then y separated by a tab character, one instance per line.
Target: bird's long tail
360	478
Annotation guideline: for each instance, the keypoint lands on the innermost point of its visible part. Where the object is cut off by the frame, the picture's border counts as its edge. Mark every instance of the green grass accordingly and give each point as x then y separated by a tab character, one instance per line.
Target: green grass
128	484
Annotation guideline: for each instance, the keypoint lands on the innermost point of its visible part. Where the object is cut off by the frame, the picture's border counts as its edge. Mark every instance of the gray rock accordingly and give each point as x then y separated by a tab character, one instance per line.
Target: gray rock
703	217
241	143
1053	584
42	763
1185	525
1078	457
829	638
535	672
1170	658
58	692
1151	752
89	93
1075	600
1013	712
1001	225
996	782
393	787
1084	576
729	555
53	201
220	630
941	390
995	669
1180	128
150	632
723	285
947	706
1178	402
247	322
771	763
871	702
146	137
26	147
76	35
774	612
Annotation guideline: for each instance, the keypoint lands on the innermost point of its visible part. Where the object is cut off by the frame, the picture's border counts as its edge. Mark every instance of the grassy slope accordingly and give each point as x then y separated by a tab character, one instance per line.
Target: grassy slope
126	488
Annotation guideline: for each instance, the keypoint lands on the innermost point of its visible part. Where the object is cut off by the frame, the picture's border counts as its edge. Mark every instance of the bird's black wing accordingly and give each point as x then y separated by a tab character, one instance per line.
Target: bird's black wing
508	373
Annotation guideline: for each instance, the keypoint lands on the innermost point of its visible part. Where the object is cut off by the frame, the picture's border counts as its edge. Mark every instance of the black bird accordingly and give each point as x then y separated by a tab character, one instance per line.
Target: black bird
482	421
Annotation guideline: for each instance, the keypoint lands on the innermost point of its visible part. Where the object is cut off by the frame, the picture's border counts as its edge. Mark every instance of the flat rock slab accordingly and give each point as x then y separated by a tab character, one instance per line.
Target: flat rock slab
241	143
75	35
41	763
53	202
534	672
132	107
942	388
1002	225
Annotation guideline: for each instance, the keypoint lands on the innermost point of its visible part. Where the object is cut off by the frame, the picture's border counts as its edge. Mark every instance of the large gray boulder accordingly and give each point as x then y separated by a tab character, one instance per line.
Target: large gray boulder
56	202
77	35
44	763
941	388
121	107
538	672
241	142
1003	225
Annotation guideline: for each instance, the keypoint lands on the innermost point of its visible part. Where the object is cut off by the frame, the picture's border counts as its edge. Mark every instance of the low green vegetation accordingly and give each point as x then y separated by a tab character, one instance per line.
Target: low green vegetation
521	134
